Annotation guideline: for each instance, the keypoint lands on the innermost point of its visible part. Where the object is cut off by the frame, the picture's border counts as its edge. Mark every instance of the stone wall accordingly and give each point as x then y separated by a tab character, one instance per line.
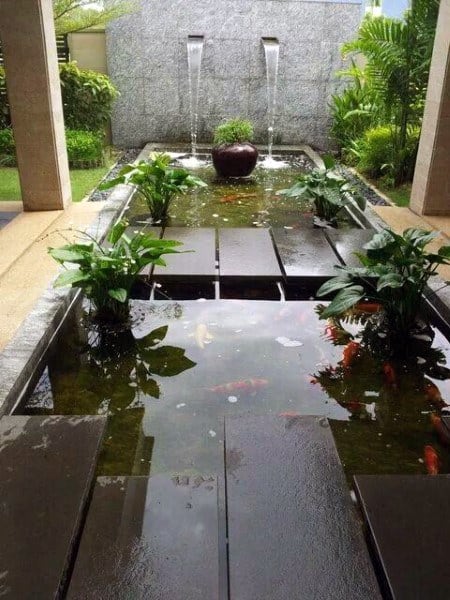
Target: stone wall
147	61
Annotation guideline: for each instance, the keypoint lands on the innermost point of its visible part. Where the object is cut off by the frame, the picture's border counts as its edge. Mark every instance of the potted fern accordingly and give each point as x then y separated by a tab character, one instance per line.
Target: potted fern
233	154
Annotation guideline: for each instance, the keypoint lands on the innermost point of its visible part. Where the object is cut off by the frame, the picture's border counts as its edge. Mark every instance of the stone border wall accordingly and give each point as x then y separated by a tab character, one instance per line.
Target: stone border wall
147	61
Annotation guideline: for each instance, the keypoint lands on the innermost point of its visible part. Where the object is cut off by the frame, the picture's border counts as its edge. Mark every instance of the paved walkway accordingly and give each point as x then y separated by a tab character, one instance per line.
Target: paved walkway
25	267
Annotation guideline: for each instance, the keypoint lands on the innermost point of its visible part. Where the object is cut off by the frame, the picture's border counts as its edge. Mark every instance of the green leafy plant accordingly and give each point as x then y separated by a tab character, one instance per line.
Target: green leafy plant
87	96
397	54
376	153
106	274
7	147
76	15
84	148
234	131
329	191
157	181
5	118
394	274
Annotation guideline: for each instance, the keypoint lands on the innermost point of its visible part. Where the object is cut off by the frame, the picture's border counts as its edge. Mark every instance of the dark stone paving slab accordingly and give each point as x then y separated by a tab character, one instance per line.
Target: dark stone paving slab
47	465
152	539
345	243
246	253
306	255
199	264
407	516
293	532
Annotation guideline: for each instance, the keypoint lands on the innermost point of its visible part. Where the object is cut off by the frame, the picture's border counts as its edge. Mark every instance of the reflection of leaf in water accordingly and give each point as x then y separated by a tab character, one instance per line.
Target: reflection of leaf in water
167	361
157	335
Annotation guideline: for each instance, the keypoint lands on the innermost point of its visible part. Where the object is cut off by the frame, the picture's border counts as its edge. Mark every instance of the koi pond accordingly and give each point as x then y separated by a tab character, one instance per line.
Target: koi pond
168	382
245	202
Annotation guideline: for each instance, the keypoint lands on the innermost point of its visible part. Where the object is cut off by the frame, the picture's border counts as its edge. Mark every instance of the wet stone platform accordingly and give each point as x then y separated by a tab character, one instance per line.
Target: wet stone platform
47	466
242	256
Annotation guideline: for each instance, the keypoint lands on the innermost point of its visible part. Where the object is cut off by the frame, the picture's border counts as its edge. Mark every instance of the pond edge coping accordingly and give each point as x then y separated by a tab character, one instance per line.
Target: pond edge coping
23	356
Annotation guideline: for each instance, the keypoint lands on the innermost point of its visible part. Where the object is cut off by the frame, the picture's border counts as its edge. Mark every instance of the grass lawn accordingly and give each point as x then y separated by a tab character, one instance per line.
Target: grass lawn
82	180
399	195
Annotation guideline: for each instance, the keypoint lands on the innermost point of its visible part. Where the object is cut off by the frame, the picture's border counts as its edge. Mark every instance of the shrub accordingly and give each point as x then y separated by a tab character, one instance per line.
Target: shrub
7	147
378	156
87	97
233	131
5	120
84	148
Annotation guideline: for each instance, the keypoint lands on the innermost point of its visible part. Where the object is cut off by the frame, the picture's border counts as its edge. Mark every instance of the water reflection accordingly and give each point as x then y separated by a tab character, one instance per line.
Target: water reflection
187	366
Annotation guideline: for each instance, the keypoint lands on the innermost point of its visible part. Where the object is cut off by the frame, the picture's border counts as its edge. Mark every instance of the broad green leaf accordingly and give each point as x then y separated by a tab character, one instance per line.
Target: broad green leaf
391	280
334	284
66	254
71	277
344	300
118	294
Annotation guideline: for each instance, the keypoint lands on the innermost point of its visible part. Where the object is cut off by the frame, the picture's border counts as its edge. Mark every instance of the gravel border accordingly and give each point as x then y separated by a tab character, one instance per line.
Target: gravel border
126	157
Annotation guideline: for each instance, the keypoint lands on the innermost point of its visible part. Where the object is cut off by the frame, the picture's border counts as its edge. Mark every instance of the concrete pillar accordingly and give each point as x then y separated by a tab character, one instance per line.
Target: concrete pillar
431	187
29	45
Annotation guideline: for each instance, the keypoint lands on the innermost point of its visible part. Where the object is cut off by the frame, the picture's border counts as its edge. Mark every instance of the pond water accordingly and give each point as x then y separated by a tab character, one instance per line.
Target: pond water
244	202
169	382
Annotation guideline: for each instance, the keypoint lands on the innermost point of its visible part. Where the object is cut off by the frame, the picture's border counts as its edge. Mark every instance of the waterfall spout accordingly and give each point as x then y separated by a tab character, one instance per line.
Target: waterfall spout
195	51
272	51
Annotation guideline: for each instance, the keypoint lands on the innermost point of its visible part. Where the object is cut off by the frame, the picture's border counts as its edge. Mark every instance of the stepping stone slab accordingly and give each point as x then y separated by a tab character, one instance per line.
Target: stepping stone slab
306	255
152	539
247	254
199	264
345	243
407	516
47	465
293	531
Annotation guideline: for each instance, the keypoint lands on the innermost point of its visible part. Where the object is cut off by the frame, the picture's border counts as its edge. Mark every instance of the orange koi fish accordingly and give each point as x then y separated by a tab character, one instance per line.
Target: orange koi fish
433	394
442	432
349	354
369	307
246	386
234	197
431	460
389	374
332	332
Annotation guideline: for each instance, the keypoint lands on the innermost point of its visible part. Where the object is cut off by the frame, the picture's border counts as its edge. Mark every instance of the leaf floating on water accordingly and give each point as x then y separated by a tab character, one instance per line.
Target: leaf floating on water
181	405
232	399
288	343
212	433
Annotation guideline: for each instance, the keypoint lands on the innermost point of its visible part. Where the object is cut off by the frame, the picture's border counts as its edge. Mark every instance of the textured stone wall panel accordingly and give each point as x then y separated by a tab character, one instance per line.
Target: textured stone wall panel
147	61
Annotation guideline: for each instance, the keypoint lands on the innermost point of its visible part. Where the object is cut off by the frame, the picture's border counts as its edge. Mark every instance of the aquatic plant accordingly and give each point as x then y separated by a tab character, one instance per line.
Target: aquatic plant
394	274
234	131
106	274
329	191
157	181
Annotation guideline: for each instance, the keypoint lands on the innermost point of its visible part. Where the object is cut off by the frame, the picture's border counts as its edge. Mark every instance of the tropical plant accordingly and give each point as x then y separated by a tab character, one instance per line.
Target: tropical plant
375	152
329	191
106	274
354	110
394	274
87	97
398	55
157	181
75	15
84	148
234	131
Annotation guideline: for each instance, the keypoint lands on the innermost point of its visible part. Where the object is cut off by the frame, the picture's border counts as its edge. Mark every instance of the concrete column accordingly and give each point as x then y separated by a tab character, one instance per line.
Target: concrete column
431	187
28	38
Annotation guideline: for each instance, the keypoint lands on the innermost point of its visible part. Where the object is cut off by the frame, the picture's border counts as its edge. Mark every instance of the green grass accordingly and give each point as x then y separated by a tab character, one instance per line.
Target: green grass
82	180
399	195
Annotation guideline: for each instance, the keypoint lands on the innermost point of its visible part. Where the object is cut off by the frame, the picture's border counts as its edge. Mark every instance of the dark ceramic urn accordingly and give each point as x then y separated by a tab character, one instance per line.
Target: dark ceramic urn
234	160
